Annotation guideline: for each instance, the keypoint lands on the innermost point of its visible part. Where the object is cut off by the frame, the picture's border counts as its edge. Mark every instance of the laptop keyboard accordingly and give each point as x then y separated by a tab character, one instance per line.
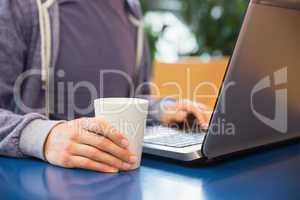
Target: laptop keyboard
172	137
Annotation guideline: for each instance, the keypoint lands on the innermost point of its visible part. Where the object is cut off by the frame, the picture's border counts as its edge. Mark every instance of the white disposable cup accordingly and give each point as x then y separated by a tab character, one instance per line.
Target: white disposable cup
128	115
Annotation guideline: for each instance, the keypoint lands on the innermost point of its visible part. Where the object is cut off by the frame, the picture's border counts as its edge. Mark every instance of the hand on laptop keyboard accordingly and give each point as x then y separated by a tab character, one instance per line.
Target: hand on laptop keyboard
185	126
191	124
185	115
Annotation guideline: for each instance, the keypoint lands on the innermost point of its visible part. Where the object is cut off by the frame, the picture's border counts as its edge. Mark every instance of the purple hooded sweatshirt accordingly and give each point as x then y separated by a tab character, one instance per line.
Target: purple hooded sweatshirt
87	37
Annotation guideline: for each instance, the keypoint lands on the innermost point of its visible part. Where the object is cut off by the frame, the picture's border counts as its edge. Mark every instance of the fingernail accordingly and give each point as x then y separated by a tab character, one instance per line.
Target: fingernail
126	166
125	143
133	159
133	167
113	170
205	126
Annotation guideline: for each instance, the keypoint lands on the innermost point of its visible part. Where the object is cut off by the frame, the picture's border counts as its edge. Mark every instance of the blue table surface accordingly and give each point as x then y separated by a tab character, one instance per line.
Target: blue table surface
272	174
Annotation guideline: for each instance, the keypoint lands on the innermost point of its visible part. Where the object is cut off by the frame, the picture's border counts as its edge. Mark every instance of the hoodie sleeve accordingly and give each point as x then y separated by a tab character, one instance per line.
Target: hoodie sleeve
20	135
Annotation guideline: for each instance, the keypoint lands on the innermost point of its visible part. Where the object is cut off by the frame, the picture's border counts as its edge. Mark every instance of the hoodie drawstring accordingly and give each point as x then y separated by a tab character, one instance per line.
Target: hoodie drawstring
139	23
46	46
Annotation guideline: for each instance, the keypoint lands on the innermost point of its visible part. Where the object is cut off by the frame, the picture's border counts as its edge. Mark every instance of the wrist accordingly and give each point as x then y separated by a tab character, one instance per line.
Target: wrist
34	136
48	139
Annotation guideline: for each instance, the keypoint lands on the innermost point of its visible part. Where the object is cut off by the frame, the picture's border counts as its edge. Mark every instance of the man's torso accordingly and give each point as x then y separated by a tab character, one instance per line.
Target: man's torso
95	36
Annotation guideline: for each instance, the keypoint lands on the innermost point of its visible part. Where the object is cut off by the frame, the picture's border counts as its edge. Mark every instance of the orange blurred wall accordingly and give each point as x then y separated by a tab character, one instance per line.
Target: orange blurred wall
190	78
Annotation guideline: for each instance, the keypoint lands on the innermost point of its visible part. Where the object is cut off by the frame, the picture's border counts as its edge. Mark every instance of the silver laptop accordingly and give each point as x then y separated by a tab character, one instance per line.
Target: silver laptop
259	101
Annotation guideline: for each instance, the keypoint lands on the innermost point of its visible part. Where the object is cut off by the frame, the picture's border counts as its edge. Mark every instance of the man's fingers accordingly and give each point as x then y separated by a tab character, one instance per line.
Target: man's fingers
201	112
173	114
100	126
174	117
180	116
108	146
95	154
86	163
200	116
178	113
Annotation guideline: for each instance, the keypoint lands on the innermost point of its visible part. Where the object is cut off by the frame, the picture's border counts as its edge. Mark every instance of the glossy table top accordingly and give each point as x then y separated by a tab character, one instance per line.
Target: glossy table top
272	174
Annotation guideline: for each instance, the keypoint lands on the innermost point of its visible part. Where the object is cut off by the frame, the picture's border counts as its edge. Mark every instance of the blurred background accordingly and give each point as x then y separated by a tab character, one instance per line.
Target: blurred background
202	28
191	42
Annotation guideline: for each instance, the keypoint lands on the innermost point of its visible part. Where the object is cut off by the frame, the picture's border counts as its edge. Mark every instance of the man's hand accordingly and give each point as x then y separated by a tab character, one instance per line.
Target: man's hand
178	112
89	143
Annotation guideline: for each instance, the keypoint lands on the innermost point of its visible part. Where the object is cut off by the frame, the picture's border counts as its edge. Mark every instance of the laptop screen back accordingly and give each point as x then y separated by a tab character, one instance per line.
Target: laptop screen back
259	102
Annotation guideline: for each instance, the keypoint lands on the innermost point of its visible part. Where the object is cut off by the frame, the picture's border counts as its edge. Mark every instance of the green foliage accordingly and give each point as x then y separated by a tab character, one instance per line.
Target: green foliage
215	34
215	23
152	39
